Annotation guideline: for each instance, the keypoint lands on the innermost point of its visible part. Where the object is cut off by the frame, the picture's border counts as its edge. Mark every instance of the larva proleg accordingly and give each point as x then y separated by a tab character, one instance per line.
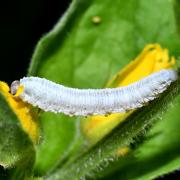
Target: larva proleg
53	97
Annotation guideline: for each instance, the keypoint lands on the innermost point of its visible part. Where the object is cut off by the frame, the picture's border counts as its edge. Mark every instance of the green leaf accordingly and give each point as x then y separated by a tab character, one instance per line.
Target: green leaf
90	164
81	53
58	132
157	154
16	148
177	14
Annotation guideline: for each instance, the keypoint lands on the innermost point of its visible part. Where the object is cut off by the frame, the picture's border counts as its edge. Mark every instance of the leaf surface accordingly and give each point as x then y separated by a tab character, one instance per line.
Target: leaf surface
16	149
80	52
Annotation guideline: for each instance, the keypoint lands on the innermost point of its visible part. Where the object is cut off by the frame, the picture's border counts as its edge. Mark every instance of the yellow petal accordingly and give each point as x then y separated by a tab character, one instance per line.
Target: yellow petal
152	59
122	151
24	112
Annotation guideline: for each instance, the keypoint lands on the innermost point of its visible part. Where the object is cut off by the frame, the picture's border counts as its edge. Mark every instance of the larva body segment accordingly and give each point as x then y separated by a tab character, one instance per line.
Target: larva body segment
53	97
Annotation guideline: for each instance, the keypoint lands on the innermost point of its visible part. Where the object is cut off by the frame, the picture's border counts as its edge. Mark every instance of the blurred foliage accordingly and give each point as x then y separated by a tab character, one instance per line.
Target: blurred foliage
17	152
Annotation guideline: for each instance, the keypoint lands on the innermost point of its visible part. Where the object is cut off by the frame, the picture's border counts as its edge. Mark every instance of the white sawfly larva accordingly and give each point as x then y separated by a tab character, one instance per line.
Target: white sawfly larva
53	97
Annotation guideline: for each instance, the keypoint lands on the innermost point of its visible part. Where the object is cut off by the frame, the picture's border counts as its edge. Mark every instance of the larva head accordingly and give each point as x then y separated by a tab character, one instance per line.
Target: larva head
16	88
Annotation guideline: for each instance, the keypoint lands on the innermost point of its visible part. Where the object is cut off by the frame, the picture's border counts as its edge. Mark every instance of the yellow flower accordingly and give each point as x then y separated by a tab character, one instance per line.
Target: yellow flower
152	59
24	112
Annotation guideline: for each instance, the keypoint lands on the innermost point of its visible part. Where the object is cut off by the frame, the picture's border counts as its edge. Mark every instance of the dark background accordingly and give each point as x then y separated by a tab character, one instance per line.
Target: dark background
22	23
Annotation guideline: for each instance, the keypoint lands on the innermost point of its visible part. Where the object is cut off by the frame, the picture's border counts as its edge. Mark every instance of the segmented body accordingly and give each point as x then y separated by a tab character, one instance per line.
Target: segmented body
53	97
